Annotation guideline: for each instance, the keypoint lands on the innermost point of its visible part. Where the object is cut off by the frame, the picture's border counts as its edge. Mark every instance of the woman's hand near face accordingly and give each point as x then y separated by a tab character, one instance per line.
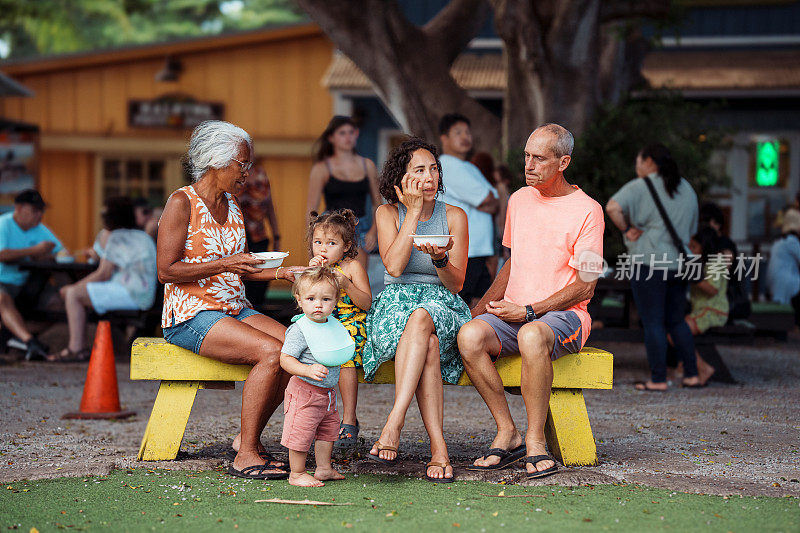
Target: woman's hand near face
242	263
410	193
436	252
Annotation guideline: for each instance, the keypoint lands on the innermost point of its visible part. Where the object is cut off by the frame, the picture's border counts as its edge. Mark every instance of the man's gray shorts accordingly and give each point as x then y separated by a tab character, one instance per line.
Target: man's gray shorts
565	324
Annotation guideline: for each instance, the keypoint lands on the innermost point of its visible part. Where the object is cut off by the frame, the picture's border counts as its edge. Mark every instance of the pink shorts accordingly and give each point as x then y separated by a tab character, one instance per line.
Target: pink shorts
309	414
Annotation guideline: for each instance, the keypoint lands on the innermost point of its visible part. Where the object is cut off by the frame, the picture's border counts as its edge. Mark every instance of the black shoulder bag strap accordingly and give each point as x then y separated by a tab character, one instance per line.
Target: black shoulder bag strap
676	241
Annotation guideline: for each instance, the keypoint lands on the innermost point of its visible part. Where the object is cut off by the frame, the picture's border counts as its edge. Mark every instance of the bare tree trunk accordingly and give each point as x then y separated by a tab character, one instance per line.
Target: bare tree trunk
552	60
565	57
408	66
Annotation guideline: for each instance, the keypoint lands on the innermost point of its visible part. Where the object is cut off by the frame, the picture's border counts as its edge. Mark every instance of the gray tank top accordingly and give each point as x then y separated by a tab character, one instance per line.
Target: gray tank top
420	269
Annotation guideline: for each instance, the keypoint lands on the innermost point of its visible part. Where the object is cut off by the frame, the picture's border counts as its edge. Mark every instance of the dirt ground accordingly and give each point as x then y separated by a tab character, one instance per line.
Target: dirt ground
724	439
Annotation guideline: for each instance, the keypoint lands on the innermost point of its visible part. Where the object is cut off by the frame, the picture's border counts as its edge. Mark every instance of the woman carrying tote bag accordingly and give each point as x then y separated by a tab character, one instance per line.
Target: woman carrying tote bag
657	213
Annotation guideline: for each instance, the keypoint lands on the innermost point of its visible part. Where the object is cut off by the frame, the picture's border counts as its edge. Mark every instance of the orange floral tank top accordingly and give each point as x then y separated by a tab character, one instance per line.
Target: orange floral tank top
207	240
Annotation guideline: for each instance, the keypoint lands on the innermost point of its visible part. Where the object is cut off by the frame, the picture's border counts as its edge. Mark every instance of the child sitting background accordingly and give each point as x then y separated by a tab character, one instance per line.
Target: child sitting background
332	242
309	403
708	296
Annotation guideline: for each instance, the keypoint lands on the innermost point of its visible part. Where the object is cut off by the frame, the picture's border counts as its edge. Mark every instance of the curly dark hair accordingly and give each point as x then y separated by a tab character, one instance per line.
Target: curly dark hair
118	213
396	166
342	221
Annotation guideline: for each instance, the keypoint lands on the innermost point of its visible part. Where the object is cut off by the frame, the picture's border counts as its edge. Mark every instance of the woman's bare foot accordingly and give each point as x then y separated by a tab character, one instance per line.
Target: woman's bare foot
503	440
649	386
325	474
437	472
704	371
304	479
389	437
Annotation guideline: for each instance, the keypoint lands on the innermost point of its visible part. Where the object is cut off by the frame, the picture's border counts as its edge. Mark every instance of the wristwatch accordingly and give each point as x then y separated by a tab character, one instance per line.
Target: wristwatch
530	314
440	263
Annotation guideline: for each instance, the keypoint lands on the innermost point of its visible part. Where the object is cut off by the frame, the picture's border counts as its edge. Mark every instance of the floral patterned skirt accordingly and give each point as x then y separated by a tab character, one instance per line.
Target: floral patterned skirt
389	313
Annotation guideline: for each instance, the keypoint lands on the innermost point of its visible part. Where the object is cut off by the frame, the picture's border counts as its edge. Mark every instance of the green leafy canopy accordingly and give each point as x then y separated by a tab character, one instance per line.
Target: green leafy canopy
31	28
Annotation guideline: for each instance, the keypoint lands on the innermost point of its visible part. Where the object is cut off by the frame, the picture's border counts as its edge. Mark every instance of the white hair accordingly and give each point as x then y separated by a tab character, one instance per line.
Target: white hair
564	142
214	144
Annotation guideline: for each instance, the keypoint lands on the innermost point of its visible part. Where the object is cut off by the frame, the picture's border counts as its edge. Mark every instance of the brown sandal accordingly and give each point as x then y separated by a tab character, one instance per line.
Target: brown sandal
379	459
442	479
68	356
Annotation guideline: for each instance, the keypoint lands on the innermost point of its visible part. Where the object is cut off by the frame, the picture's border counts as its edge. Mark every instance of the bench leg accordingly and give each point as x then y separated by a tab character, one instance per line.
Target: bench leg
164	432
569	435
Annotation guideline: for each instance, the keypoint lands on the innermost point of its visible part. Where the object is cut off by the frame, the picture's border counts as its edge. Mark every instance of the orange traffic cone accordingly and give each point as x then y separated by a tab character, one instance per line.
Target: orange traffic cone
100	394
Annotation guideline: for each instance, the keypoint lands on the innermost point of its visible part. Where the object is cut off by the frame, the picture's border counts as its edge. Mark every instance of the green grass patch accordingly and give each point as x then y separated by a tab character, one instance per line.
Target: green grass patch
151	500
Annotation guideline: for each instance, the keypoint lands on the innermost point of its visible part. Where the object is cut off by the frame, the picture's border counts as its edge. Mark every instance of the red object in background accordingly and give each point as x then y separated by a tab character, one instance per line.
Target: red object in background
100	393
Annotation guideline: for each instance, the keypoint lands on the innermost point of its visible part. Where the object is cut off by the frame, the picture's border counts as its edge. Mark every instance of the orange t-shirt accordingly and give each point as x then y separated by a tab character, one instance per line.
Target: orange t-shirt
207	240
549	238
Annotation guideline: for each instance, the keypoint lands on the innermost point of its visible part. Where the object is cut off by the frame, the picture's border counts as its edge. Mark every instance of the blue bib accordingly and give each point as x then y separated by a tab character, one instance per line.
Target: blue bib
329	341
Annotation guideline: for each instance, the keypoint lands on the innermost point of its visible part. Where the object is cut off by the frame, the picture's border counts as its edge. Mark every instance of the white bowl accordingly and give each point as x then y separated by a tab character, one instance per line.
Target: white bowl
434	240
271	259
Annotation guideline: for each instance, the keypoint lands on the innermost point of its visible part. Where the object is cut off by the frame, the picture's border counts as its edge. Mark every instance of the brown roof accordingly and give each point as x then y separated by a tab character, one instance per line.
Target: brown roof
146	51
472	71
731	70
711	71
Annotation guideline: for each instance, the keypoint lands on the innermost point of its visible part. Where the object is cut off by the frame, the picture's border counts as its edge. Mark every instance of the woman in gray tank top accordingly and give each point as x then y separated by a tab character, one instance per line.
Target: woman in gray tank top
416	318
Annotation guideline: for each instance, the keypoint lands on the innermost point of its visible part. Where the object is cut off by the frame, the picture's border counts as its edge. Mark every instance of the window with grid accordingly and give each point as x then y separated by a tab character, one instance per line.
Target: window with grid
137	178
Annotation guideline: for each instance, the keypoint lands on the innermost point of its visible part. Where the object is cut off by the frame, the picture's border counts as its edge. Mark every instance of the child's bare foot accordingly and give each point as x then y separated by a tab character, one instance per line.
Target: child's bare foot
304	480
327	474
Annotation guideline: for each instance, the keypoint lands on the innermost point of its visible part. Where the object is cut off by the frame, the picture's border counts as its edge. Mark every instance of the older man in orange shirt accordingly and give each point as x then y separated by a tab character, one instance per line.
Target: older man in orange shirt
537	304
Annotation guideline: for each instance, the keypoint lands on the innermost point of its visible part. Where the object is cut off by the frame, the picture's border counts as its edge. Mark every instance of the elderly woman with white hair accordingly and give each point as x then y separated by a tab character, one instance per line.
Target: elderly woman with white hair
202	259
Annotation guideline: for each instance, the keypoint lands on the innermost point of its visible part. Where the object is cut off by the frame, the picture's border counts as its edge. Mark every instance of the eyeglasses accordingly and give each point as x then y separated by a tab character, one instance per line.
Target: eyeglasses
245	166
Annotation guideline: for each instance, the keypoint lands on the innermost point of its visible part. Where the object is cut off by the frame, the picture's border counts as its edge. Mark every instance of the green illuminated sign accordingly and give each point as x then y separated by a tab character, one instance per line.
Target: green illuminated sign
767	163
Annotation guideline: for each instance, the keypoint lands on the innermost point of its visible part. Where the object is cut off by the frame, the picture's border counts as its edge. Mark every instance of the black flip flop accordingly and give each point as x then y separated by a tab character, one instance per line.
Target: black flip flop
543	473
231	455
507	458
442	479
381	460
257	472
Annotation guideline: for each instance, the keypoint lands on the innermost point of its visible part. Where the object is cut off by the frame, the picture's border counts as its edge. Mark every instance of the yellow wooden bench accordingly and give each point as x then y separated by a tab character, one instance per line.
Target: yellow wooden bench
182	373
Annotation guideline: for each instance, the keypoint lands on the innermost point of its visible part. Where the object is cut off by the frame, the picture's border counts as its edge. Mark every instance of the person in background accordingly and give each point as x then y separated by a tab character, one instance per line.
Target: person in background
738	292
258	209
485	163
783	270
708	294
22	236
146	216
660	295
125	279
346	180
97	251
465	187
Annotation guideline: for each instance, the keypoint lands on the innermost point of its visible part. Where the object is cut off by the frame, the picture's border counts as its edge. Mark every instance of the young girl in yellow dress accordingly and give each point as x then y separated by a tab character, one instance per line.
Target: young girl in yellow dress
332	241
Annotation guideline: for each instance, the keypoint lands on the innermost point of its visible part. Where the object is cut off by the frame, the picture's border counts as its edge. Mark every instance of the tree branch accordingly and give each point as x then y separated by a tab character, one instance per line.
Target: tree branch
451	30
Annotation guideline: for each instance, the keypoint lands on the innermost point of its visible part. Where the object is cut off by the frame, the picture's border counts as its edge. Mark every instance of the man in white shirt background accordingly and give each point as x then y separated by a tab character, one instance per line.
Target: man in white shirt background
465	187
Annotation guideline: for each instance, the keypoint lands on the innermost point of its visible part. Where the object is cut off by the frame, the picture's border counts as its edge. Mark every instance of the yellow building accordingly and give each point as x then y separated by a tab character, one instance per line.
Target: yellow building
117	122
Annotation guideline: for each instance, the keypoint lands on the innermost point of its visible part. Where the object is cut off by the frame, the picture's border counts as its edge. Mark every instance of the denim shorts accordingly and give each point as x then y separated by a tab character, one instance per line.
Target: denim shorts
190	334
